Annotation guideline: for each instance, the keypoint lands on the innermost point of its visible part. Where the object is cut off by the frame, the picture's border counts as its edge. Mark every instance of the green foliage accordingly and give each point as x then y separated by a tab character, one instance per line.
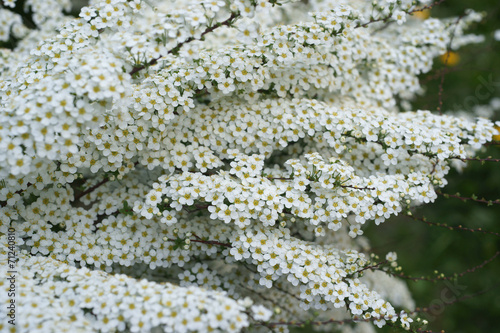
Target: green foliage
425	250
454	251
126	210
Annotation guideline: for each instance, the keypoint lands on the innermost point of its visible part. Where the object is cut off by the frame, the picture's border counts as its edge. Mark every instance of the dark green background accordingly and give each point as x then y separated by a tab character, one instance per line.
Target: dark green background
421	248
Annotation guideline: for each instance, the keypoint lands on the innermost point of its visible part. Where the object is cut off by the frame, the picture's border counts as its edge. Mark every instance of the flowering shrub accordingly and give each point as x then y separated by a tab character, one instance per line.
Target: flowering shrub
194	166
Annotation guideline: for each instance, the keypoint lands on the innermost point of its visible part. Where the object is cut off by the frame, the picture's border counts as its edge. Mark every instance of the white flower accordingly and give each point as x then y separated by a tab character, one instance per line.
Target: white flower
399	16
497	35
390	157
204	139
391	256
261	313
355	230
405	320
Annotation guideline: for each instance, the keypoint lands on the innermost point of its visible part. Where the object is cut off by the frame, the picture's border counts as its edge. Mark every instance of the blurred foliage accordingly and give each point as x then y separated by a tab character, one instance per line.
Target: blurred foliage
476	61
421	248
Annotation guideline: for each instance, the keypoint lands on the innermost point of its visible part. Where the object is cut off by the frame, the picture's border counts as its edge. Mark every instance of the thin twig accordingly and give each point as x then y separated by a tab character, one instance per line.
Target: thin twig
372	267
190	39
387	18
487	159
448	278
90	189
459	227
448	48
429	309
209	242
464	199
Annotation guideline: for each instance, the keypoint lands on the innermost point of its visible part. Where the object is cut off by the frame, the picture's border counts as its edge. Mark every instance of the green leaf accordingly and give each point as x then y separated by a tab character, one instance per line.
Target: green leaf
178	243
126	210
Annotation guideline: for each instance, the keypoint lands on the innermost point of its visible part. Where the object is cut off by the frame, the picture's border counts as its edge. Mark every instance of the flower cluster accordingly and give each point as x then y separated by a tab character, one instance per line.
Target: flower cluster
114	302
210	165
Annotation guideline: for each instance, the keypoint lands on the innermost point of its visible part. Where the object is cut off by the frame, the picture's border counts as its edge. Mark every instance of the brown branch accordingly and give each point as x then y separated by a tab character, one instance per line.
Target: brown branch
492	143
209	242
426	309
90	189
357	320
440	72
372	267
464	199
442	225
20	192
488	159
287	292
176	49
357	188
340	322
448	278
344	186
430	6
387	18
265	298
448	48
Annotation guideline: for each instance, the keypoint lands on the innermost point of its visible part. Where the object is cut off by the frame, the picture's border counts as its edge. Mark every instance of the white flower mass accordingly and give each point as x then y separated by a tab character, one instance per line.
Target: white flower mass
209	166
